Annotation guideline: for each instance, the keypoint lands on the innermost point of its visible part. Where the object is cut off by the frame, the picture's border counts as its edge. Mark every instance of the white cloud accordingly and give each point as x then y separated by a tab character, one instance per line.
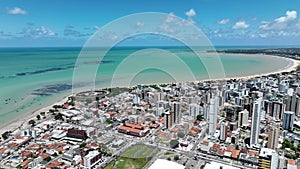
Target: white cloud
223	21
38	32
240	25
279	23
16	11
167	25
96	27
170	17
140	24
44	31
289	15
190	13
263	35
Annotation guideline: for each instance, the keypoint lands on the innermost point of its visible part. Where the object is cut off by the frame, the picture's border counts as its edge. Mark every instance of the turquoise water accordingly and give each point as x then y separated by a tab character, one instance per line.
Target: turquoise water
31	78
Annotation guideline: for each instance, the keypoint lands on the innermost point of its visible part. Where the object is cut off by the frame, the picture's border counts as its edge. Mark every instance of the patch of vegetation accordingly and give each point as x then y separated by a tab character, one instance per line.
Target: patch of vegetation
180	134
48	159
155	87
58	116
140	151
5	135
168	153
38	117
174	143
31	122
55	154
57	106
298	68
82	145
288	144
129	163
176	158
291	156
200	117
109	121
115	91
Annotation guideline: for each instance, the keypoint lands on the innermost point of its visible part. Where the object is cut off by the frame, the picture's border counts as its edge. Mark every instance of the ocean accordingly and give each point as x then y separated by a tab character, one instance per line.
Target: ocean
32	78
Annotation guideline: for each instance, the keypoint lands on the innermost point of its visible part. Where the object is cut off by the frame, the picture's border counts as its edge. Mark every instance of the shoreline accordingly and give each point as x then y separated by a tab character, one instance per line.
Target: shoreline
292	66
19	123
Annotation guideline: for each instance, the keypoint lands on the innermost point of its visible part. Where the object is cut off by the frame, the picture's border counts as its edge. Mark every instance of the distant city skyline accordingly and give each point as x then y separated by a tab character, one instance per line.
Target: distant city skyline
61	23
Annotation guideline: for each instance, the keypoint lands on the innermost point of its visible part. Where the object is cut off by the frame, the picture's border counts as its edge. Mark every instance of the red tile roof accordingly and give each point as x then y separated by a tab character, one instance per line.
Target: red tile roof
3	150
46	136
163	134
291	162
235	153
53	164
44	155
253	153
135	126
205	143
25	163
129	129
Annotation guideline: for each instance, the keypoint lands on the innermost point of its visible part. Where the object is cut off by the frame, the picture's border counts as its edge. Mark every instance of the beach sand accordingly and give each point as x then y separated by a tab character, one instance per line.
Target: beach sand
293	64
22	121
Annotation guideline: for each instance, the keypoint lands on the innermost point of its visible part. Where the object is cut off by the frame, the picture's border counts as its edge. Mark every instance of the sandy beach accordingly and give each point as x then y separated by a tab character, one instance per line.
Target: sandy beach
28	116
25	117
290	67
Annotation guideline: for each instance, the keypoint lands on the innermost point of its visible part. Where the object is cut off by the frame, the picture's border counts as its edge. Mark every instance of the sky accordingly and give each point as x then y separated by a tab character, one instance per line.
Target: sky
37	23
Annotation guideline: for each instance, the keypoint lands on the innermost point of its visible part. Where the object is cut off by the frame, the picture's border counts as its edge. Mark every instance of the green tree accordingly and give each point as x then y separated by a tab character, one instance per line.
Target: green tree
180	134
58	116
109	121
38	117
223	114
5	135
174	143
291	156
51	110
31	122
82	145
288	144
48	159
176	157
200	117
55	154
57	106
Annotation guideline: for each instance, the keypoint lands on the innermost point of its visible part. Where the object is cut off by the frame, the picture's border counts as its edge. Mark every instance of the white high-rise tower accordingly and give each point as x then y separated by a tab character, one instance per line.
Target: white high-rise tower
213	115
256	114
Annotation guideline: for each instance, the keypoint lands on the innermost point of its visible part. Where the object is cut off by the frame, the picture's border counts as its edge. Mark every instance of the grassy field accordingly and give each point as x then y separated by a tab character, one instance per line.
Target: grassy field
168	153
128	163
132	158
138	151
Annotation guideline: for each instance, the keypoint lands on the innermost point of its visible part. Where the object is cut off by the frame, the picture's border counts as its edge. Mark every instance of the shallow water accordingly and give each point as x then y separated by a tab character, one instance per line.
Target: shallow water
31	78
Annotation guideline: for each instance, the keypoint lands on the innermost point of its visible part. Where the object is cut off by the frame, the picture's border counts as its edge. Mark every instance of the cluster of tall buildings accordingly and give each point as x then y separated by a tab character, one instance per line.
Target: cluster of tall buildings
173	115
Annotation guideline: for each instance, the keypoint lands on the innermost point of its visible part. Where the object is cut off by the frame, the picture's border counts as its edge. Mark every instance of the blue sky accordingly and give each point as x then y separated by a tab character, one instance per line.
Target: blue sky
225	22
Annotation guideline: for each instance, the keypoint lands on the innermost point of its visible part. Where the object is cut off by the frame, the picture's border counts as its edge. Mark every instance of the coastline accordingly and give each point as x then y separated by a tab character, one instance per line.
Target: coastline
20	122
293	63
28	116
